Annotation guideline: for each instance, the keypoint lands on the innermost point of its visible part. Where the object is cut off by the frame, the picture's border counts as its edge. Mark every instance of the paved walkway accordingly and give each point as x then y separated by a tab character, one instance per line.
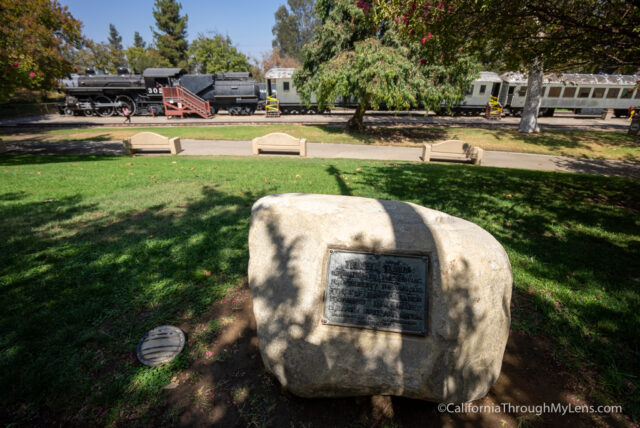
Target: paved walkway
352	151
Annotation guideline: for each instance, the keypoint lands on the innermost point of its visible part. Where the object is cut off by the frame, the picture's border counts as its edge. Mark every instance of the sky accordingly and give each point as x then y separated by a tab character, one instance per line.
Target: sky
248	23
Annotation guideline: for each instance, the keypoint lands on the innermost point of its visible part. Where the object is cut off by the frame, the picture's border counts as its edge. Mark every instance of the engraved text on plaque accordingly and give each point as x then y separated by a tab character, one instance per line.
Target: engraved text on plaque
376	291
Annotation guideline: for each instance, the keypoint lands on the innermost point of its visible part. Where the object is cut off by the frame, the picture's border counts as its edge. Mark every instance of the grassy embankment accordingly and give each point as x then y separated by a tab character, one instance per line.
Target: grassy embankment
97	250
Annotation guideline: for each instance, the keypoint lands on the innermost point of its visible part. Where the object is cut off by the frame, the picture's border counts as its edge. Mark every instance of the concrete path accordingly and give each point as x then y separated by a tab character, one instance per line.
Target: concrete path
351	151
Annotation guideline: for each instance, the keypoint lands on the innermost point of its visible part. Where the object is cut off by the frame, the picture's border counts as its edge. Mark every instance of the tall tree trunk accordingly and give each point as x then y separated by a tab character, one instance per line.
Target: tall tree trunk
529	121
357	120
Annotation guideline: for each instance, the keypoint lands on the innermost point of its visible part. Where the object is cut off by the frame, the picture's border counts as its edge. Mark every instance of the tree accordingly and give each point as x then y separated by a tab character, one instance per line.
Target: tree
93	55
139	59
171	40
276	58
137	41
35	39
535	35
359	57
217	55
294	27
115	48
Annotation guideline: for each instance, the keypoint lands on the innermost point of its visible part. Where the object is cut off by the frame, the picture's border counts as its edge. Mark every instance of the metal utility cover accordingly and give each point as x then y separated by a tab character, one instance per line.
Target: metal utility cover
160	345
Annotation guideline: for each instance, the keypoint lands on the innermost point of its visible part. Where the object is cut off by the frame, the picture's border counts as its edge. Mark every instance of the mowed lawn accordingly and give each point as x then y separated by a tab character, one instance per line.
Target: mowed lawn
574	143
97	250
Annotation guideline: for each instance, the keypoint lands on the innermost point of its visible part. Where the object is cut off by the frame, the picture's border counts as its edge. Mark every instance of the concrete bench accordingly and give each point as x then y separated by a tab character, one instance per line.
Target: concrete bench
279	142
152	142
453	150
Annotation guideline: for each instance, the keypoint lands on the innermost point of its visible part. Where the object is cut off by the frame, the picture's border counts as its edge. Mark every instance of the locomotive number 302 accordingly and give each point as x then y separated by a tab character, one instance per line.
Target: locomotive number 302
154	90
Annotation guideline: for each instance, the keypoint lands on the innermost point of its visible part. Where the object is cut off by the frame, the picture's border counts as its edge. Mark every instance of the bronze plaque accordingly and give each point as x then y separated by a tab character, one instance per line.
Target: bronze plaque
377	291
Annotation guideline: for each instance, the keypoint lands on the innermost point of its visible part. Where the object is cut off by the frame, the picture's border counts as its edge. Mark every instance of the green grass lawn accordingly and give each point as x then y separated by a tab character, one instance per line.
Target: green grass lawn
97	250
574	143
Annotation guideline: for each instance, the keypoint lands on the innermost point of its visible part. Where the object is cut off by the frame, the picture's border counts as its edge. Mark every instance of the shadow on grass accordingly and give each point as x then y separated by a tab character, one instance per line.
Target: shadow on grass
574	245
87	289
556	140
30	159
388	135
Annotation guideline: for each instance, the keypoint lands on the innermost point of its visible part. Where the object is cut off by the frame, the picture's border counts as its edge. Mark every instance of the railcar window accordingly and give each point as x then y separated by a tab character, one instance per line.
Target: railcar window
569	92
584	92
626	93
554	91
613	92
522	91
483	88
285	86
598	93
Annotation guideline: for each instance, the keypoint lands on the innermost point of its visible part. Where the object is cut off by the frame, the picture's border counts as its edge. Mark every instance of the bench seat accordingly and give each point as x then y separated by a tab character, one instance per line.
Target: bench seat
453	150
279	142
151	141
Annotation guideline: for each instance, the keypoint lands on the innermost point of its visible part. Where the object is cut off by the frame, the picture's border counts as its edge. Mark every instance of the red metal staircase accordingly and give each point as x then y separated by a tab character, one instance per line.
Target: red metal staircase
179	101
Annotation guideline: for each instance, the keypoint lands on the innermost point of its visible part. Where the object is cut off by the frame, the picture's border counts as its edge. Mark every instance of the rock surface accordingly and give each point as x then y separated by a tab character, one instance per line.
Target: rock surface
467	312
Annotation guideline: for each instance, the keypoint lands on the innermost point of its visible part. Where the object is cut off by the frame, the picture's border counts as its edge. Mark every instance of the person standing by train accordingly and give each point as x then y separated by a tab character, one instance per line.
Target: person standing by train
127	114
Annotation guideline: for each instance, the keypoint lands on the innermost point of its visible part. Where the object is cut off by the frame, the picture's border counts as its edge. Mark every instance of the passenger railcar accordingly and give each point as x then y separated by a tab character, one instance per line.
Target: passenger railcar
577	92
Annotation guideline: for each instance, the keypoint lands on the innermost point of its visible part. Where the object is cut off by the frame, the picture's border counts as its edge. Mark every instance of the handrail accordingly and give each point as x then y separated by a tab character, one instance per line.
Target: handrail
188	98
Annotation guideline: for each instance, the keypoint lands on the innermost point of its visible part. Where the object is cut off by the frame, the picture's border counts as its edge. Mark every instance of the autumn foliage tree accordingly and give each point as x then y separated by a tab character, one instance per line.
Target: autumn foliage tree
34	38
358	55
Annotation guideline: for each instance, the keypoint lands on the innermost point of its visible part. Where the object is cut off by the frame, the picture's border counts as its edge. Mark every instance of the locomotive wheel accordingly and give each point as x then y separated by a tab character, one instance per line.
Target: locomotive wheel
125	100
68	111
87	112
246	111
104	111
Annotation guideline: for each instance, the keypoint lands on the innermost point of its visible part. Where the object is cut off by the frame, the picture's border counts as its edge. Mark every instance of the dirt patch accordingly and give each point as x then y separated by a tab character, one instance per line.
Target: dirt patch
229	387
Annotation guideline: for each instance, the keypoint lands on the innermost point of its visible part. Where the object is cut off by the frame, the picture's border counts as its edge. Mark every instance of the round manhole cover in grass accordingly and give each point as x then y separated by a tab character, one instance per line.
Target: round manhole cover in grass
160	345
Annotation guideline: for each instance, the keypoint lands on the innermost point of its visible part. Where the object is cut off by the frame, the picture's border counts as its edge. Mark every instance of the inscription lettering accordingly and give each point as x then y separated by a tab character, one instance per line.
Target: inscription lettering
377	291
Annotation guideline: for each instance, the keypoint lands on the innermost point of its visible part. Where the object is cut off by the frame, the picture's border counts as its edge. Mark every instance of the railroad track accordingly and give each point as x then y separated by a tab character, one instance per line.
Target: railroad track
377	120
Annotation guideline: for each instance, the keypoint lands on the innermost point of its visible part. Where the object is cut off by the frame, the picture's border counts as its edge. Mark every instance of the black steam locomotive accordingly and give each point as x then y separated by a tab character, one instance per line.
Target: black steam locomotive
105	95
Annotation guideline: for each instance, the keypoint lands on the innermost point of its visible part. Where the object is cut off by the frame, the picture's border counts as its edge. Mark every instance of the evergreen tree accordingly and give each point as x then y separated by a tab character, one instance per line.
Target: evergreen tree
115	48
294	27
170	39
137	41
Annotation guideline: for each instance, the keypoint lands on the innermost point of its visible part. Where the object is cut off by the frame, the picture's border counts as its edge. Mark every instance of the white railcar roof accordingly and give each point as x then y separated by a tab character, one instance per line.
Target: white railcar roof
280	73
577	79
488	76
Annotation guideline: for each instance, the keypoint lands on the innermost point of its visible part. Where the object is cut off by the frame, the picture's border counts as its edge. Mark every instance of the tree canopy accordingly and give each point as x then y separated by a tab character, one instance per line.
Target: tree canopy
532	35
35	37
171	37
359	56
217	55
294	27
276	58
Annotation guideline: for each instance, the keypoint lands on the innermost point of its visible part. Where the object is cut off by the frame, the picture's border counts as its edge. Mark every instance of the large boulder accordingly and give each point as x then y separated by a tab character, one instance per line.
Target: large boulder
356	296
